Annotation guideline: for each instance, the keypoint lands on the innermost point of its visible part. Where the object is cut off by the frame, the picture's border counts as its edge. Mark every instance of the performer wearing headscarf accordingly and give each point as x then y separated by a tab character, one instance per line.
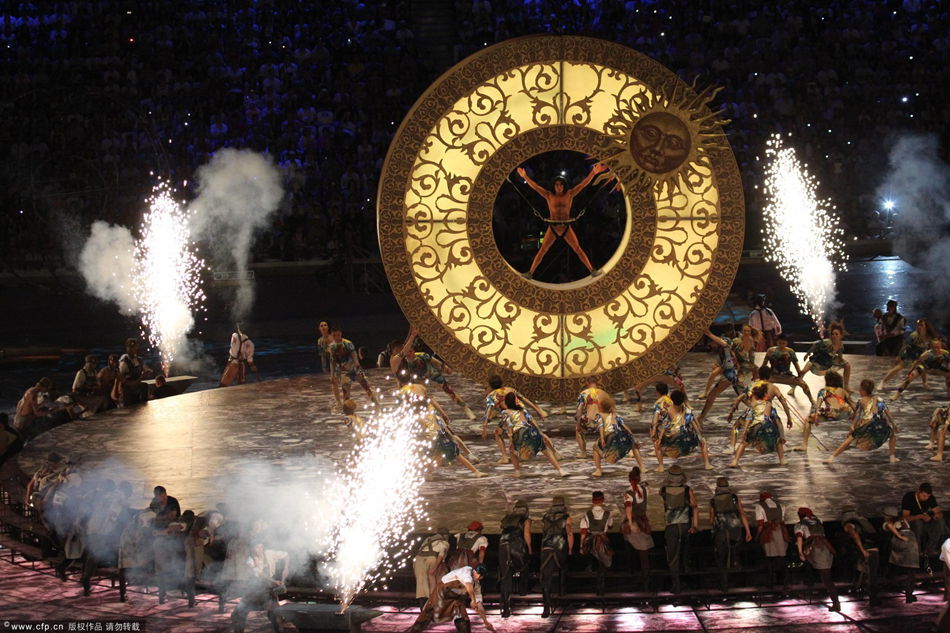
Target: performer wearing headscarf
636	525
871	425
815	548
682	436
772	534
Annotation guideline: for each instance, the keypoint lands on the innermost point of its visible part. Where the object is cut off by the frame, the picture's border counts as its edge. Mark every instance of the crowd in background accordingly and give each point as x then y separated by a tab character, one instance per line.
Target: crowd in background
103	96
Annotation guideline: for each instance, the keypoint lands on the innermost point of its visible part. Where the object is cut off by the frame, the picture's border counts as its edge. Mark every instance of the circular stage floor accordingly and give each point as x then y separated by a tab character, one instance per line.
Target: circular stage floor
201	445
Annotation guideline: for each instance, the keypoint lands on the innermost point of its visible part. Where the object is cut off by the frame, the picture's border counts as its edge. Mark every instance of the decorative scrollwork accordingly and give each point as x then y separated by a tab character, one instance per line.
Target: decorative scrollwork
453	152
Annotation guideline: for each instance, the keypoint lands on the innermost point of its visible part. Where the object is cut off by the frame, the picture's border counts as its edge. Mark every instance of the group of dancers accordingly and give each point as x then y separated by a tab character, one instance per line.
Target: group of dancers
515	423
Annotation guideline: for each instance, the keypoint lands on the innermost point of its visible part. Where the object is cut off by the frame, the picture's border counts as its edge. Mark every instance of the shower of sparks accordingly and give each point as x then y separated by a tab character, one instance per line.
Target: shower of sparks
380	502
802	235
166	275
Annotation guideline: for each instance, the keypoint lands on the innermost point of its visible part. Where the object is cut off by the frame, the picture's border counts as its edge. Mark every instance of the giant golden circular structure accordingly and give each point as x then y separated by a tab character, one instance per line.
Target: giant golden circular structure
486	116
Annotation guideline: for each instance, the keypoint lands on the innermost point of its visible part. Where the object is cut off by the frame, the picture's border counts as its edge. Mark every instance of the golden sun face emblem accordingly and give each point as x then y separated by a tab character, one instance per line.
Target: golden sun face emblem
662	139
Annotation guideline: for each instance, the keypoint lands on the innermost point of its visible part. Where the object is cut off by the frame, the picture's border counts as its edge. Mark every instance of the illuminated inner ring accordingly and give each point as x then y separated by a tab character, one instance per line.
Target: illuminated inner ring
664	286
631	255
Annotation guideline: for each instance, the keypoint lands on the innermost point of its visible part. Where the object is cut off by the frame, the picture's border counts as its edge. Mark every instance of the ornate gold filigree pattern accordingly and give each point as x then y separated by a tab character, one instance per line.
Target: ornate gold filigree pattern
452	153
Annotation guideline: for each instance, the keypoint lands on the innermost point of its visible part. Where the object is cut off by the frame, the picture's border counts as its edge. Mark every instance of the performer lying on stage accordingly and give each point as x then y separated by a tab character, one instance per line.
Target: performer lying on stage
588	407
936	360
495	403
682	436
450	599
559	207
871	425
526	438
615	437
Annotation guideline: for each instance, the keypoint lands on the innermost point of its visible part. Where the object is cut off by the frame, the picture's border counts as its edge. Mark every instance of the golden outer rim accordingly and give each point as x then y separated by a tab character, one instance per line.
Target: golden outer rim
437	100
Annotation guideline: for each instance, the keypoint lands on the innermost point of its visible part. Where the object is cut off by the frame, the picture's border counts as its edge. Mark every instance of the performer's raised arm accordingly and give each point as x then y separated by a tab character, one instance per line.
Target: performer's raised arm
596	169
538	188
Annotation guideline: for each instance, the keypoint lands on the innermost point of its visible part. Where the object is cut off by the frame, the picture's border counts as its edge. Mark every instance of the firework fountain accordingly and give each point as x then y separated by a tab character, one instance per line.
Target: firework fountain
166	275
379	487
802	235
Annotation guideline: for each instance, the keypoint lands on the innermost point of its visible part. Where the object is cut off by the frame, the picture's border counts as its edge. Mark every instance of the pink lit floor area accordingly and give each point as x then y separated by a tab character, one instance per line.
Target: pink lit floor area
35	595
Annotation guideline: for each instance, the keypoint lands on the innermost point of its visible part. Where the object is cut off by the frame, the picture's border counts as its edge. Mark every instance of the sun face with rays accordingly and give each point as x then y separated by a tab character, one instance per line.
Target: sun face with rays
661	138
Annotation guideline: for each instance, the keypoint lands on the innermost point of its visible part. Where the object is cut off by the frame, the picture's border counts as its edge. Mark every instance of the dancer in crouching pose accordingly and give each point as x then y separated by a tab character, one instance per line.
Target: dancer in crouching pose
526	438
588	408
936	360
762	429
682	436
827	354
871	425
830	403
446	447
736	365
615	437
781	358
939	421
495	404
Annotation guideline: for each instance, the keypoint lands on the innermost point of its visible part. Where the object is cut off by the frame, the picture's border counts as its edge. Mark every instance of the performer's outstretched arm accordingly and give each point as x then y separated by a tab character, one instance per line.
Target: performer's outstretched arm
596	169
538	188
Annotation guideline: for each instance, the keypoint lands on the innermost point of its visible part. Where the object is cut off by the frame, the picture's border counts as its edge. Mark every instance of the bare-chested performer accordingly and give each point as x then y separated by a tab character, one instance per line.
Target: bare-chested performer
559	205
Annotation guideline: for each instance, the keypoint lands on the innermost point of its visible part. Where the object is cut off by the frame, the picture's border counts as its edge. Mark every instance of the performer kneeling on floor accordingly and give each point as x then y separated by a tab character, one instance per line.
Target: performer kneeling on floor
450	599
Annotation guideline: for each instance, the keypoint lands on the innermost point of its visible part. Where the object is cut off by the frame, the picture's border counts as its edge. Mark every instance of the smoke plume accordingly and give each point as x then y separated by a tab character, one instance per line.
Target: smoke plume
237	193
919	185
106	263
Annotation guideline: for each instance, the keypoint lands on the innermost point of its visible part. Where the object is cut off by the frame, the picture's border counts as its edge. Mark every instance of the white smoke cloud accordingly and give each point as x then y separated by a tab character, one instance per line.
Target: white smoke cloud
919	185
106	262
237	193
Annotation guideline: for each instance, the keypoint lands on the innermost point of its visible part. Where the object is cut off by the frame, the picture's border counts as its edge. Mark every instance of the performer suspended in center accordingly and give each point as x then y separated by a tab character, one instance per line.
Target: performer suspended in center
526	438
681	436
871	425
615	438
559	207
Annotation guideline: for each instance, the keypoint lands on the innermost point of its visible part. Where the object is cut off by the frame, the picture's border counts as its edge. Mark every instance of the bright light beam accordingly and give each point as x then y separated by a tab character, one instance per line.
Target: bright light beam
382	505
802	235
166	275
